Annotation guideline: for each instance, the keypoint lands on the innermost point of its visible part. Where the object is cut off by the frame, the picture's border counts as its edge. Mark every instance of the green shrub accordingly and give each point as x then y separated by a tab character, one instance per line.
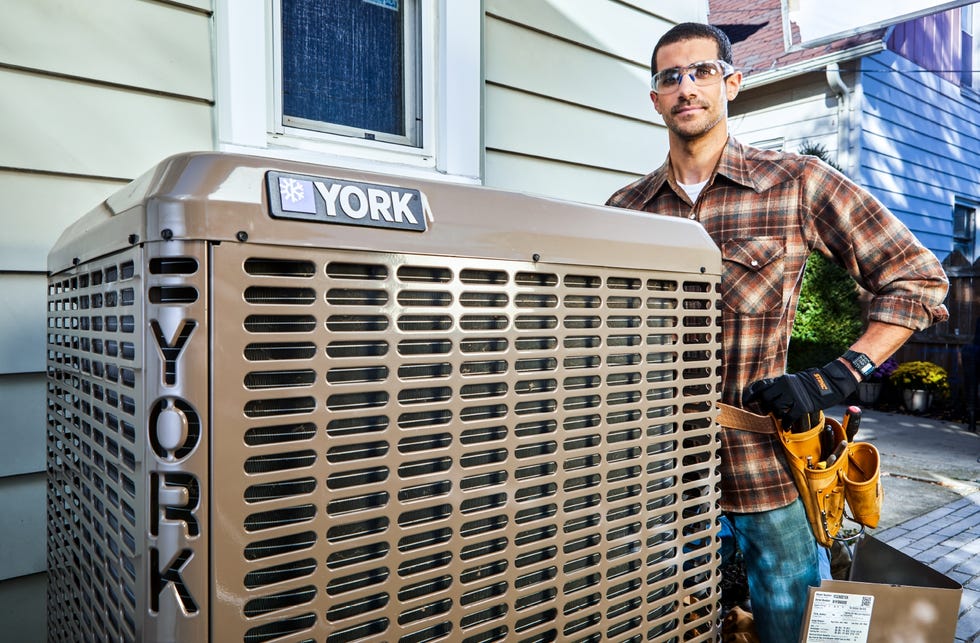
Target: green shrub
828	317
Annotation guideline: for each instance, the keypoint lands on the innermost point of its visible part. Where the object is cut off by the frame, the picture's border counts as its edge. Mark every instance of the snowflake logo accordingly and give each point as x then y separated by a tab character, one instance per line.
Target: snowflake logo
291	190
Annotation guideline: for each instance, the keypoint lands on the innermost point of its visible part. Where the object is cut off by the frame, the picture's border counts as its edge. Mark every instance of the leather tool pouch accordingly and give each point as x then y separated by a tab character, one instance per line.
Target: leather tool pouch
855	476
862	483
821	489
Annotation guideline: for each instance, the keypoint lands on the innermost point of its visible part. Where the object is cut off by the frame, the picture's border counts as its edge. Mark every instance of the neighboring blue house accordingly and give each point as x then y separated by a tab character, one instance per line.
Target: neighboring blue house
897	108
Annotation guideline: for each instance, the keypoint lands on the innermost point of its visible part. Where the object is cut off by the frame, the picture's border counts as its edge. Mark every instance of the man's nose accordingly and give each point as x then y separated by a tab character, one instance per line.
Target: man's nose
687	75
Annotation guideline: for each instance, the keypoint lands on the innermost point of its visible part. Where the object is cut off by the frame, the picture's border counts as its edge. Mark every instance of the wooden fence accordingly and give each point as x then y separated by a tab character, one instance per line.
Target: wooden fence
955	343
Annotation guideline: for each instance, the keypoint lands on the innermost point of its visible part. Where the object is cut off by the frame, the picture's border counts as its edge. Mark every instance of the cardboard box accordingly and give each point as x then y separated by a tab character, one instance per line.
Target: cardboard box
890	597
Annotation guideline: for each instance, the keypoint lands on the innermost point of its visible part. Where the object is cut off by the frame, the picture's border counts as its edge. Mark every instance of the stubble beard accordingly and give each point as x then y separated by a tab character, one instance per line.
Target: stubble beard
695	129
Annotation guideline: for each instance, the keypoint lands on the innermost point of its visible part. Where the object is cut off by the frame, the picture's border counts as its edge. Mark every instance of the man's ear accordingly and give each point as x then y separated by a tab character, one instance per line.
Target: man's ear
656	101
732	84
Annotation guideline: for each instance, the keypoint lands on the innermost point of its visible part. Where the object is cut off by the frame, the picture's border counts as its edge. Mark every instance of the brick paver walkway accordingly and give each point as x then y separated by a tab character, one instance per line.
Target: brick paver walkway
948	540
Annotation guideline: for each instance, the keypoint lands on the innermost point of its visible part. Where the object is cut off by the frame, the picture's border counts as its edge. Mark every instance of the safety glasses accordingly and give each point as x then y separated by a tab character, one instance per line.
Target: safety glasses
703	73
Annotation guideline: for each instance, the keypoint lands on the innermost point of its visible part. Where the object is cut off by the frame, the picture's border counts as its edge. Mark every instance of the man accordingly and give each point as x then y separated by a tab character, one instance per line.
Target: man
768	211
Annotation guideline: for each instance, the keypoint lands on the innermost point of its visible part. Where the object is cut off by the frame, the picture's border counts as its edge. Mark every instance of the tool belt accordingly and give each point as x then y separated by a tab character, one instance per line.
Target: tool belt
851	473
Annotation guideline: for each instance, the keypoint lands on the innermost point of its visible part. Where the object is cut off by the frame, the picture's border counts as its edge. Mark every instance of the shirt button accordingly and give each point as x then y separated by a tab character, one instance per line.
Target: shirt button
755	263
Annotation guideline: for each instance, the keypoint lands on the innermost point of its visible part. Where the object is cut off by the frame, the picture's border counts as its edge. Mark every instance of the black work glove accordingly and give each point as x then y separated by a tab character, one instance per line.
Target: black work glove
794	395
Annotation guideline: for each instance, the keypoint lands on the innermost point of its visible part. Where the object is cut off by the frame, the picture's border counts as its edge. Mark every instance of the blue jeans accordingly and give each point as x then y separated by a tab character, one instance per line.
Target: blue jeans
781	562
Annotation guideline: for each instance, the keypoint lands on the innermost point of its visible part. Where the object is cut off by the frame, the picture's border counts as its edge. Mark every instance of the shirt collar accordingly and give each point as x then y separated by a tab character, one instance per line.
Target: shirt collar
732	165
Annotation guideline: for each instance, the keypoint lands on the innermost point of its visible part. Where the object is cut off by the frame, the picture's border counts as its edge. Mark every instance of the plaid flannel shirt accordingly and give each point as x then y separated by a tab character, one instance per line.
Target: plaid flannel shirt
768	211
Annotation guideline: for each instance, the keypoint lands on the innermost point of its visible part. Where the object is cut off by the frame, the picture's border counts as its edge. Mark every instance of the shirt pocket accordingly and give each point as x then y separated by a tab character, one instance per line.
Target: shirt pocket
752	274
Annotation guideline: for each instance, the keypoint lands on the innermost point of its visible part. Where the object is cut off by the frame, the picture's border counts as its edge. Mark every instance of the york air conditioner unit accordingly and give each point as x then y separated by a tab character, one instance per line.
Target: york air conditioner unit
298	403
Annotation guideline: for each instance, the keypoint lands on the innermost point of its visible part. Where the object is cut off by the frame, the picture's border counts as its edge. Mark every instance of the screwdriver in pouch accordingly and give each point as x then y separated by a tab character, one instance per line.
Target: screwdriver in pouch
826	441
851	422
837	454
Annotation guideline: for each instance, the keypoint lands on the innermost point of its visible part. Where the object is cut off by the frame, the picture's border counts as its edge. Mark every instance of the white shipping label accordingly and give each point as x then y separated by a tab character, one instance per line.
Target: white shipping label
840	618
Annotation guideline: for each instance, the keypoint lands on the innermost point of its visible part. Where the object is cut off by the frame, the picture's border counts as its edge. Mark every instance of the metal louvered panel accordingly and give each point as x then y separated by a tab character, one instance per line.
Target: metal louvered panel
426	448
94	444
128	439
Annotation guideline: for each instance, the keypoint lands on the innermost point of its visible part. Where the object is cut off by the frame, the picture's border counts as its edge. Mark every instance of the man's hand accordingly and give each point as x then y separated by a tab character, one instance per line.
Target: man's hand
792	396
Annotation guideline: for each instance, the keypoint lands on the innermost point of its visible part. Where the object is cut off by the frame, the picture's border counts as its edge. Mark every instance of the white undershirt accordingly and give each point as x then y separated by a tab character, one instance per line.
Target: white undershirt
693	189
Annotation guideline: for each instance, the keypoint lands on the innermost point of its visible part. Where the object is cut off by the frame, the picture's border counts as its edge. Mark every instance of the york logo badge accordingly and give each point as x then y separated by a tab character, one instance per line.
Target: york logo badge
326	200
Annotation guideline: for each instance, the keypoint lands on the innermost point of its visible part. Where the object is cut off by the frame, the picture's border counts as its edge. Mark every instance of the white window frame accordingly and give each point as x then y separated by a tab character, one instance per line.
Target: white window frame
248	108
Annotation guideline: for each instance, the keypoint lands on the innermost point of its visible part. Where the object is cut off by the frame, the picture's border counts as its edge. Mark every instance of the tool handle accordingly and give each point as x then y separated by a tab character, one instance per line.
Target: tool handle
851	422
838	453
827	441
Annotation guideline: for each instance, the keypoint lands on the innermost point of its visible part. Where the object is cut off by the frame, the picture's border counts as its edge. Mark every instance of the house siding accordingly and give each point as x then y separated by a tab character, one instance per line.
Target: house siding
788	114
104	90
931	41
921	145
567	107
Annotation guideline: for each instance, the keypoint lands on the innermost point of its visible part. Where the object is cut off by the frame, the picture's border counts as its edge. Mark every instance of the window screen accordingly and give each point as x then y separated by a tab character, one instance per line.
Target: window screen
348	67
964	230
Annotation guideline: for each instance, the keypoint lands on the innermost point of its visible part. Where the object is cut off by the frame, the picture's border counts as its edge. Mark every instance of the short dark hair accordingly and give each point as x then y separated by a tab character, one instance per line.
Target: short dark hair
692	31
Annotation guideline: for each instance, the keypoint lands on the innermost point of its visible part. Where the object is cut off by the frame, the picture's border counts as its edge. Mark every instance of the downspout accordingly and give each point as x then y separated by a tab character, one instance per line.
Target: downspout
843	93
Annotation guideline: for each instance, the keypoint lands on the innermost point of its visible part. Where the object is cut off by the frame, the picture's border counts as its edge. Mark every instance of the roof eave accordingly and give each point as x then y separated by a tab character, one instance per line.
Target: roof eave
812	64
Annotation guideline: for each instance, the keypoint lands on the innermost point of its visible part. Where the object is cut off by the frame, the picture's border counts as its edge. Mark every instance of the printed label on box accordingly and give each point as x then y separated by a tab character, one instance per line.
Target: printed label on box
840	618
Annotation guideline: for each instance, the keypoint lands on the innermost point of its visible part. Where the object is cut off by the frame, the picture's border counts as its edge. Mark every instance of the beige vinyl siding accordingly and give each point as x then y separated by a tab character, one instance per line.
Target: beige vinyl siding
534	125
21	498
202	5
578	182
566	71
37	207
147	45
22	401
95	93
83	128
567	112
22	617
22	326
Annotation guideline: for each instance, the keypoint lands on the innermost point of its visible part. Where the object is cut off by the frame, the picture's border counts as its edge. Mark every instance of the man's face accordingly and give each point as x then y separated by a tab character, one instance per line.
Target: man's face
691	111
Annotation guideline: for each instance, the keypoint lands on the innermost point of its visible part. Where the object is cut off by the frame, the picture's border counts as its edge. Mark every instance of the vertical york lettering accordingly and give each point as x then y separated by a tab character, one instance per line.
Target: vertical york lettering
172	351
159	579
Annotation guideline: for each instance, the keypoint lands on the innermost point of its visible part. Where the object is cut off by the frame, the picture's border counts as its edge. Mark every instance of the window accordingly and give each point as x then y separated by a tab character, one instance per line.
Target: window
969	47
774	144
380	85
350	67
965	230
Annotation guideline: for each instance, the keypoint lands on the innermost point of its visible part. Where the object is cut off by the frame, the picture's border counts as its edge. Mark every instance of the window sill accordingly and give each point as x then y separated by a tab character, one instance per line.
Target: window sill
421	168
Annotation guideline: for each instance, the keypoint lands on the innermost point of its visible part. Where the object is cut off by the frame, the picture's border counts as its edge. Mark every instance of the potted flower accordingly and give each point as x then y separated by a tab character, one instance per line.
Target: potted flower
919	382
870	390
